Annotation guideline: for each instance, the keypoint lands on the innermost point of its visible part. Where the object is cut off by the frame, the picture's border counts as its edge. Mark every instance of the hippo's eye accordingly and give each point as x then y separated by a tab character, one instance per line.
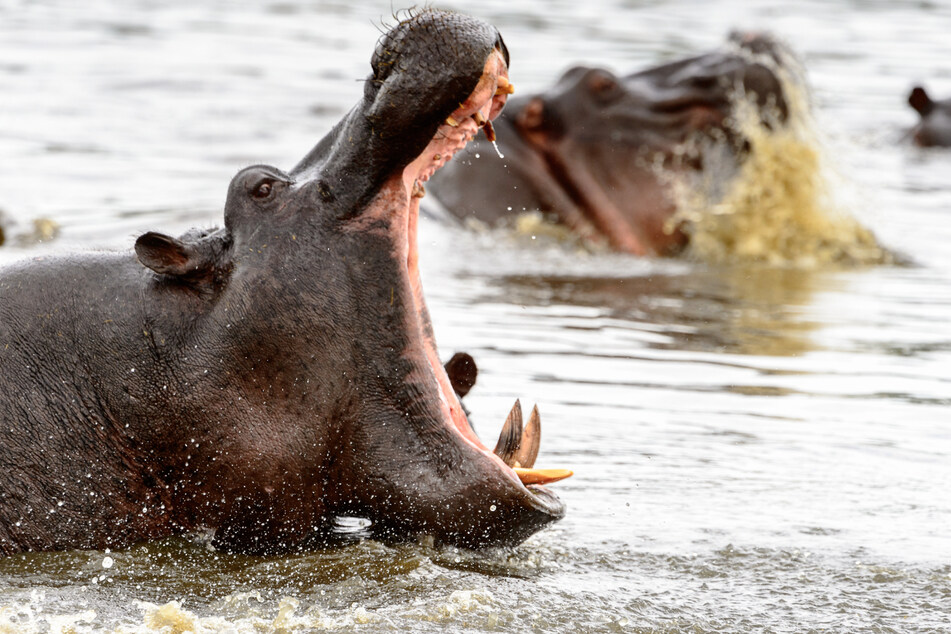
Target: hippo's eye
263	189
603	87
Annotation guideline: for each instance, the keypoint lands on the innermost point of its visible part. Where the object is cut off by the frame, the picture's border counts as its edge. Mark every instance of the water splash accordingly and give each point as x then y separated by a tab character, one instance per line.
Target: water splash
779	208
497	150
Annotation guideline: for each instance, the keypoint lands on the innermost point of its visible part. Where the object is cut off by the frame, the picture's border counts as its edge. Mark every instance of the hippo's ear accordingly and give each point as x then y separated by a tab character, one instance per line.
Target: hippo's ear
920	101
170	256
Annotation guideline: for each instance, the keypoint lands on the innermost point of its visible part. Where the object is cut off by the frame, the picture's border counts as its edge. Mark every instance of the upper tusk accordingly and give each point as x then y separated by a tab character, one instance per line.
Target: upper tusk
489	131
452	122
504	87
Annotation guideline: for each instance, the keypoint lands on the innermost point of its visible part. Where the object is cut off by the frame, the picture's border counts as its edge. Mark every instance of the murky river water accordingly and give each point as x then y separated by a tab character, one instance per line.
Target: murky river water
756	448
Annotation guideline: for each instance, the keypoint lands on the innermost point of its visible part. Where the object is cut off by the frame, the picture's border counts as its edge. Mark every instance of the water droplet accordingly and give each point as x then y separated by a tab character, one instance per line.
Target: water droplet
497	150
492	508
107	562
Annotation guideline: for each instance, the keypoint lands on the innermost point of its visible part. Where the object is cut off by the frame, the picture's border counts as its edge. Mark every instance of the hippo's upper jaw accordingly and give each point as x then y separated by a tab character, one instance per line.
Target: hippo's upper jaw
260	379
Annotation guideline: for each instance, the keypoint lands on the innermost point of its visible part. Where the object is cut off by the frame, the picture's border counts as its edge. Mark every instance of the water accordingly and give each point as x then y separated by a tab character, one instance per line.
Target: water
757	448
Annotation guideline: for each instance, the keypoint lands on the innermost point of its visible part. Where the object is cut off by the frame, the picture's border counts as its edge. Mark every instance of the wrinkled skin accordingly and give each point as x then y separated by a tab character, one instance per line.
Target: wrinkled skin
581	151
934	129
261	379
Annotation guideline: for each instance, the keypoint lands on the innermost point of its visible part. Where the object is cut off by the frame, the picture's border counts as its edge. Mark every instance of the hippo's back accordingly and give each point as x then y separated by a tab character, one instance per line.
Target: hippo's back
64	324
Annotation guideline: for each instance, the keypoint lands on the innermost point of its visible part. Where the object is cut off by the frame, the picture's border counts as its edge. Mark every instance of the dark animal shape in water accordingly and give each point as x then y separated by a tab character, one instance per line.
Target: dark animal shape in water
934	129
462	372
584	152
261	379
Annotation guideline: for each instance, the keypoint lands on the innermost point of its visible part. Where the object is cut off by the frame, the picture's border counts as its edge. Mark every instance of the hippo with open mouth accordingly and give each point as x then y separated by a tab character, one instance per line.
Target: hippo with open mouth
259	380
934	128
586	152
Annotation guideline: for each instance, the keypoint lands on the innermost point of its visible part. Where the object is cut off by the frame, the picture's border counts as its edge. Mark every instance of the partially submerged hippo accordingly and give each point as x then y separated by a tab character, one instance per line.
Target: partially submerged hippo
585	151
934	129
261	379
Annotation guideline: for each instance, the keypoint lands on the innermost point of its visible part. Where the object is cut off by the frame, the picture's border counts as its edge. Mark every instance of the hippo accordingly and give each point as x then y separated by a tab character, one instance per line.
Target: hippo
258	381
584	152
934	129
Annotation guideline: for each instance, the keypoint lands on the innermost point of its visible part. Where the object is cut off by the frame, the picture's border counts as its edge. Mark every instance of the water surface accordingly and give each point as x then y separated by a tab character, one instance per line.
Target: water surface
757	448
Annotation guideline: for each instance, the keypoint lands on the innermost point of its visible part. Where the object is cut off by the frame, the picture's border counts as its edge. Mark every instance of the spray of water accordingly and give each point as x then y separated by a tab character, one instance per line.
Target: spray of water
779	207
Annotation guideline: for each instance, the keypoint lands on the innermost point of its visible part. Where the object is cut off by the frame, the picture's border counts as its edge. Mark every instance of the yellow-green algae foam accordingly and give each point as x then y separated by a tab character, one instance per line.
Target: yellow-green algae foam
780	207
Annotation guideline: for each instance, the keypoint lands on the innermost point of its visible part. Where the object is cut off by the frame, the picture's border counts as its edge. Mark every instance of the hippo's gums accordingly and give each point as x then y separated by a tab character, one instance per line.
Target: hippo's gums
934	128
261	379
585	152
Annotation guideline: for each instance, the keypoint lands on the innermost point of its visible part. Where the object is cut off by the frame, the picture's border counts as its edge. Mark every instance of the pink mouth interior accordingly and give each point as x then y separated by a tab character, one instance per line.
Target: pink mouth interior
447	141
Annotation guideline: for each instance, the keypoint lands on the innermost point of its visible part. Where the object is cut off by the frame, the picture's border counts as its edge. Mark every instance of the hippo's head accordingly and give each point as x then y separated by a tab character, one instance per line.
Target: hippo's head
603	135
313	291
934	129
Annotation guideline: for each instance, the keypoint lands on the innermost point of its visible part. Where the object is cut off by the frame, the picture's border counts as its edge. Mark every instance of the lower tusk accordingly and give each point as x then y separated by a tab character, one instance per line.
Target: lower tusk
479	119
452	122
542	476
531	440
511	435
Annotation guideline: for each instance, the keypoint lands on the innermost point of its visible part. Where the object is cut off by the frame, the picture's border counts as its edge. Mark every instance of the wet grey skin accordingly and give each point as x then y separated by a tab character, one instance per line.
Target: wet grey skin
258	380
582	151
934	128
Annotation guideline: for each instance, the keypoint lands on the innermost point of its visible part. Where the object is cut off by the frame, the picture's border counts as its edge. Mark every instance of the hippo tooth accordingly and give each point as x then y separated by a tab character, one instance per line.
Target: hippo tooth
479	118
504	87
511	435
489	131
452	122
542	476
531	440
